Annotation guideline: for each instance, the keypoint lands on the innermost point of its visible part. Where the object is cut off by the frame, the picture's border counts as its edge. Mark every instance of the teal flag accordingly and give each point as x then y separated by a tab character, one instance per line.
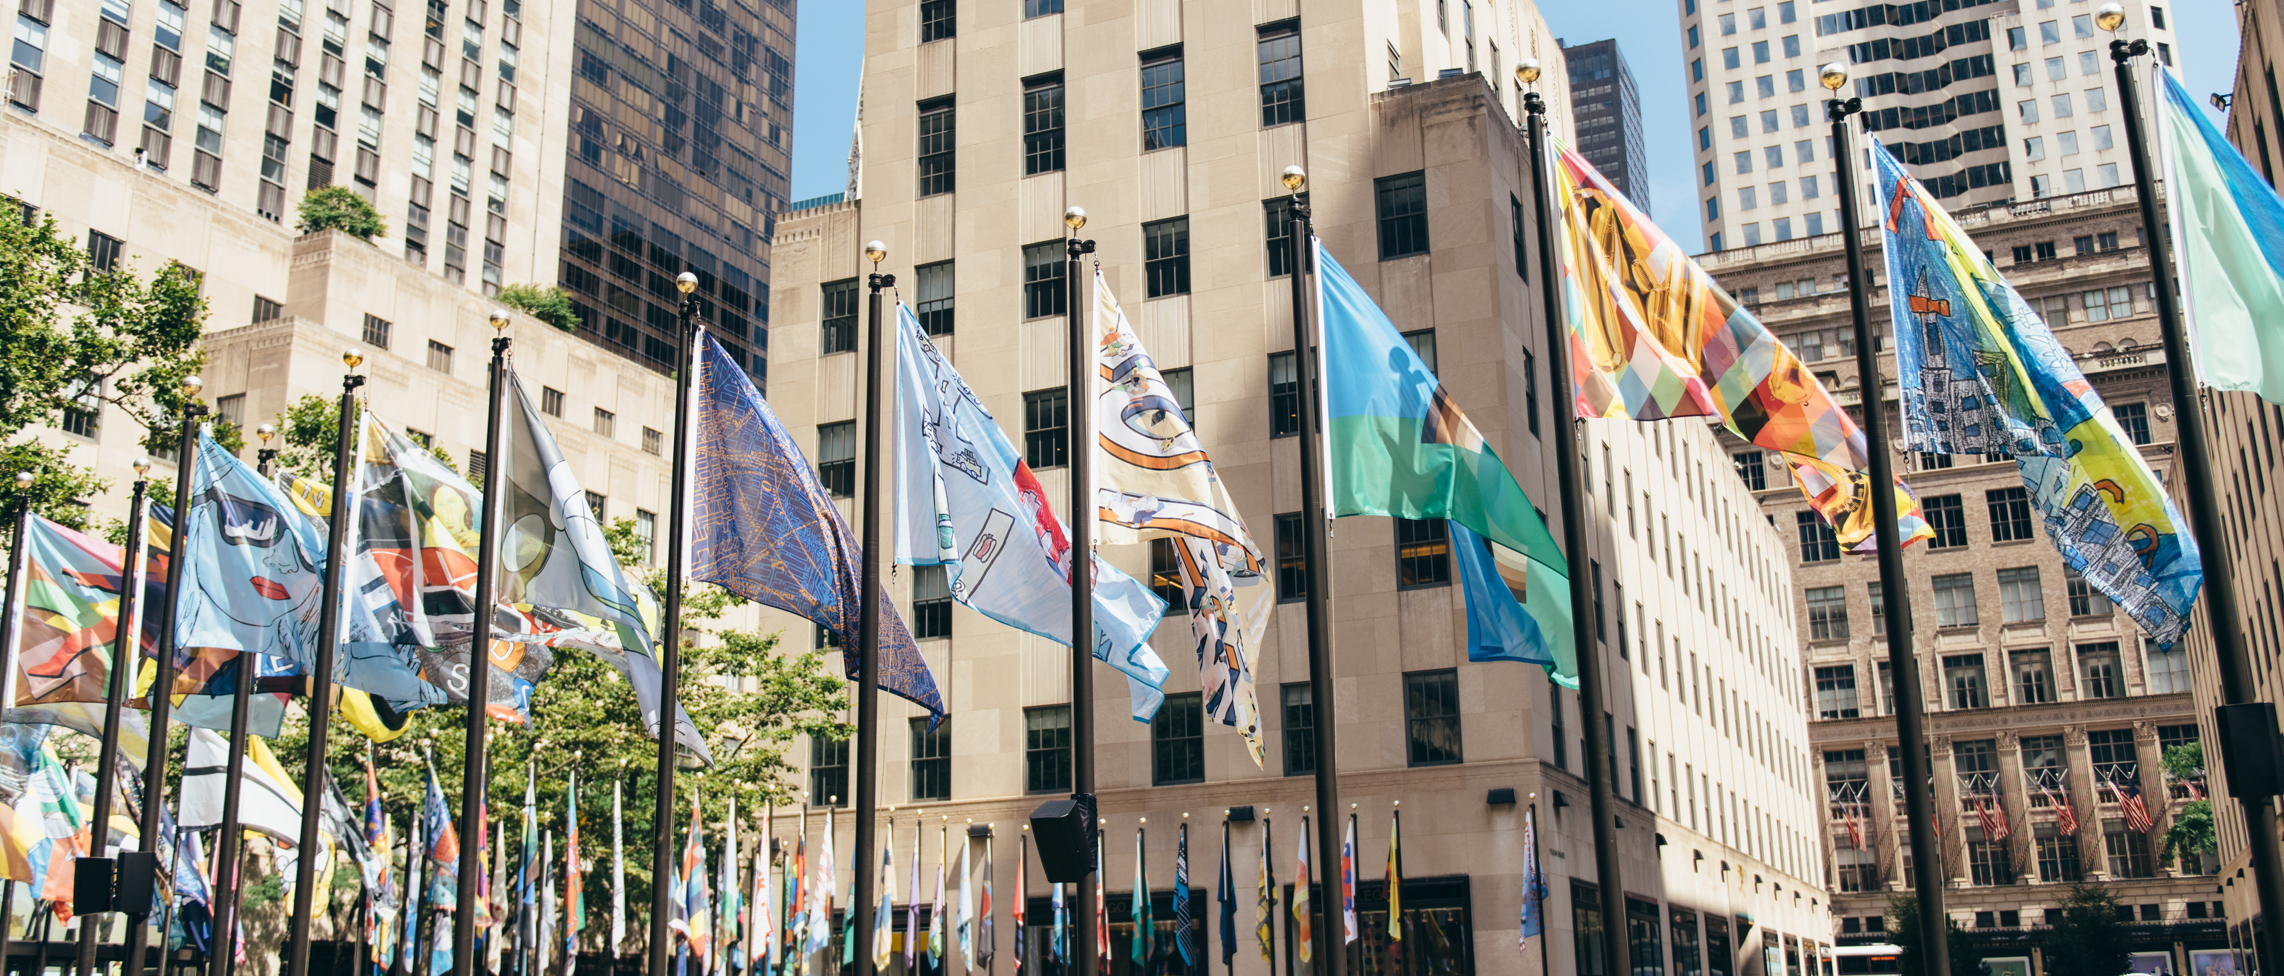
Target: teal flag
1398	444
2228	243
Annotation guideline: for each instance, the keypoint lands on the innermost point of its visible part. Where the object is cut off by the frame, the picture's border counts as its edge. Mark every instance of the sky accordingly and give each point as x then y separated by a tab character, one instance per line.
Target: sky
830	48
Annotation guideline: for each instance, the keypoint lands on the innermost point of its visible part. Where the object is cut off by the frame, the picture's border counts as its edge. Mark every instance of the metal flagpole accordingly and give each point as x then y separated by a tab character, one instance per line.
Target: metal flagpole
1601	758
2222	608
124	645
1919	803
473	769
670	649
868	617
162	685
1315	547
1080	409
228	837
13	623
320	701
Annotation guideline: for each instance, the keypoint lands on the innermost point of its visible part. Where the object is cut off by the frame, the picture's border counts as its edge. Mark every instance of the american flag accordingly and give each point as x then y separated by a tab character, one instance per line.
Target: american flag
2129	803
1993	819
1855	828
2065	817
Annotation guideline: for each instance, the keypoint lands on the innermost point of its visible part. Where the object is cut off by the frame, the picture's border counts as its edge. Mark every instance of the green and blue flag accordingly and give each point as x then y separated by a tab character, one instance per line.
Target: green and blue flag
2228	244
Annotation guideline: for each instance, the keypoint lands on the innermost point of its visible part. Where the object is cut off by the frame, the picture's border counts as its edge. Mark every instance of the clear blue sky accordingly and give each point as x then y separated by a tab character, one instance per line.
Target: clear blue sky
831	49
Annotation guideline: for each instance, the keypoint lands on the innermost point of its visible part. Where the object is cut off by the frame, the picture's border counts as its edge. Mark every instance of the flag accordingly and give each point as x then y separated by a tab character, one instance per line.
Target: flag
767	530
443	845
965	923
1350	931
936	911
1058	944
1397	444
1654	338
268	801
414	894
1980	374
2228	243
1021	904
697	925
380	885
763	953
796	904
1154	481
2130	804
1142	924
1394	882
912	937
546	898
828	884
1534	883
884	913
574	873
1265	899
986	943
1101	914
42	827
1304	944
618	868
253	564
1992	817
1182	923
70	617
1855	826
1225	897
729	934
965	500
2065	817
555	558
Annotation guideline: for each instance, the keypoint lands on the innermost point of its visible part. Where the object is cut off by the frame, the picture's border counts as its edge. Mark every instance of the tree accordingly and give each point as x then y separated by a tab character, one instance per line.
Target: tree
1966	957
2191	832
547	303
2089	937
77	341
340	208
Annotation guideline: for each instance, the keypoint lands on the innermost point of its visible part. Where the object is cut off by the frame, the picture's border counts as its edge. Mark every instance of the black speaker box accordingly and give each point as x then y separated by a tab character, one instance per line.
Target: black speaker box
138	882
2249	749
1066	837
91	885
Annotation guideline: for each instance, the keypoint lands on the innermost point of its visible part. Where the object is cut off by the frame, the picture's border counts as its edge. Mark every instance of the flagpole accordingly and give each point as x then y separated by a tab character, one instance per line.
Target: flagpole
1315	549
1601	758
124	647
2221	603
18	559
229	839
473	769
1082	511
869	598
670	649
1546	958
1926	862
162	697
320	702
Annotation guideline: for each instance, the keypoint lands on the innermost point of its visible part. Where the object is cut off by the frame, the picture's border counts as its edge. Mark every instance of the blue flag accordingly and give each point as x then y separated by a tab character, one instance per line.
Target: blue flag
1225	893
255	565
2227	226
767	530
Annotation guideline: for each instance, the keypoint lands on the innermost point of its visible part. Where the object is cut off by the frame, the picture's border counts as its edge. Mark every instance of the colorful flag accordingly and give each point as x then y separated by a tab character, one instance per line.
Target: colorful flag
1399	445
1225	897
884	913
1183	934
767	530
729	934
1350	931
1855	826
1021	904
1653	338
1142	924
1304	944
1394	881
1101	914
414	893
42	827
268	801
796	896
1265	899
764	950
443	844
254	565
1154	481
1059	943
966	500
912	937
986	944
1534	883
828	885
964	925
936	911
697	918
1992	818
2228	242
1980	374
2065	818
574	873
70	616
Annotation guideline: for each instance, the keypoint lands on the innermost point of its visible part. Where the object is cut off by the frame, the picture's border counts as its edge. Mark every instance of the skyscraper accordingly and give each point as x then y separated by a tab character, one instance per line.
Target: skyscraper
1606	108
681	118
1983	103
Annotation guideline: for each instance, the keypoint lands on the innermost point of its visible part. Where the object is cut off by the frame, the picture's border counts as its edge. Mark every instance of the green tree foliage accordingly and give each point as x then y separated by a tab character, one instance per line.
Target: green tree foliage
547	303
340	208
73	337
1966	957
2089	938
751	699
2191	832
309	432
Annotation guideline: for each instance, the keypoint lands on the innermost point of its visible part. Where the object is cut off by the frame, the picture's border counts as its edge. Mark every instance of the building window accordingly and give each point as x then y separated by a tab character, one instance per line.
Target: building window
2057	854
597	505
938	20
936	148
377	331
2085	601
2033	676
1292	558
1166	575
84	416
1988	860
839	313
2128	851
1955	600
2168	670
1828	613
2098	665
606	422
2020	594
439	357
931	760
1043	127
1817	543
1300	728
103	251
1044	266
1164	115
828	772
2134	418
653	441
1178	382
1586	929
931	603
2010	514
1402	208
1431	717
1284	396
1423	553
1047	749
836	458
1166	256
2104	304
1279	54
1836	692
1177	741
1046	428
1963	676
1752	466
933	297
1278	233
551	401
1531	391
1561	737
1041	8
1948	517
